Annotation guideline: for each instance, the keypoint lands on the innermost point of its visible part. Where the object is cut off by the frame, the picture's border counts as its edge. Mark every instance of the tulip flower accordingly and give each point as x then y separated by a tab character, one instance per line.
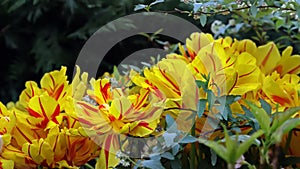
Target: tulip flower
117	114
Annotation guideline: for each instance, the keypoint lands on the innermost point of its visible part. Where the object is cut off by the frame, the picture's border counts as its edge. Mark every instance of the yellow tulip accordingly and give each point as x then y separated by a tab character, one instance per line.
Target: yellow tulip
6	125
136	114
282	91
20	159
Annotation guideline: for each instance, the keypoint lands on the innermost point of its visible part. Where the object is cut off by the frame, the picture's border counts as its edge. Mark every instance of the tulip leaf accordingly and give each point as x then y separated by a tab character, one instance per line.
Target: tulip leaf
285	128
244	146
266	106
219	149
154	162
230	146
168	156
175	149
169	138
261	116
283	117
171	124
188	139
201	107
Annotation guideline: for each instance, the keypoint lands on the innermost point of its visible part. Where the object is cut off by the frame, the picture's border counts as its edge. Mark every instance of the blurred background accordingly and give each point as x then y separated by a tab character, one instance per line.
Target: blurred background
37	36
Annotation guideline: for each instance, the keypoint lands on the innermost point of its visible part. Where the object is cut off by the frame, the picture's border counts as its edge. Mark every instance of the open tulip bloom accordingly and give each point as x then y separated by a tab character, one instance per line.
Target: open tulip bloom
58	123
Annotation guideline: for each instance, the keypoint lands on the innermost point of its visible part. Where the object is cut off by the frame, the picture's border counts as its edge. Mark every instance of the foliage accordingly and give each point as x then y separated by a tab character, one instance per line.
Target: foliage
41	35
261	21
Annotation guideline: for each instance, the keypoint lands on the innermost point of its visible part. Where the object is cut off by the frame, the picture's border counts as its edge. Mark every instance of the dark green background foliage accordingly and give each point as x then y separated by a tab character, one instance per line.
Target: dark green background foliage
37	36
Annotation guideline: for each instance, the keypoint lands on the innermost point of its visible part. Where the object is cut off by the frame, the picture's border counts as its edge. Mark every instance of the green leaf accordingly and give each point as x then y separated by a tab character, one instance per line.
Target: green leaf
116	73
213	157
203	19
226	111
188	139
219	149
169	138
154	162
71	4
253	10
211	98
175	149
168	156
266	106
284	128
279	23
283	117
261	116
230	146
243	147
16	5
170	122
201	107
139	7
156	2
201	84
197	6
35	2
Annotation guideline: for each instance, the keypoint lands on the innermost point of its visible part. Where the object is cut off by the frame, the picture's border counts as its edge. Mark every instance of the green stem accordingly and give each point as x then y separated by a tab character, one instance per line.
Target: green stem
87	165
230	166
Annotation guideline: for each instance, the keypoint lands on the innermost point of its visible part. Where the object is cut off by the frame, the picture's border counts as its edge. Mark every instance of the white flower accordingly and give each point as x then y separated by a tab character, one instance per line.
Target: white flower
216	26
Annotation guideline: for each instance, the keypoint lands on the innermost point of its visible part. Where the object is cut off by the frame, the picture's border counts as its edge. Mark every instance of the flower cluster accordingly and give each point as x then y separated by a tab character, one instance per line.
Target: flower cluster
60	124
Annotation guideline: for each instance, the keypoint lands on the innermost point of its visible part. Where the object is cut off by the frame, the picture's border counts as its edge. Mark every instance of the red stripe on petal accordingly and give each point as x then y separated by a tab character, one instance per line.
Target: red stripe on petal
143	99
34	113
267	56
58	92
169	80
235	81
280	100
145	124
55	113
247	73
88	107
42	108
107	145
26	138
292	71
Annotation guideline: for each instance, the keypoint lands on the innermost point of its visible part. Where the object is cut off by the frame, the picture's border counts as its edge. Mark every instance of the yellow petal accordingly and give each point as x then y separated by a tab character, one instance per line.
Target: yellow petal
79	84
40	151
198	41
107	156
31	90
44	107
275	92
21	160
267	57
288	64
56	84
6	164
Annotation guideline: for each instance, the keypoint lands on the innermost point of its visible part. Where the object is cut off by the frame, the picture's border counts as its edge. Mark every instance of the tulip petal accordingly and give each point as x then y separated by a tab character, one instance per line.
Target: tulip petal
267	57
